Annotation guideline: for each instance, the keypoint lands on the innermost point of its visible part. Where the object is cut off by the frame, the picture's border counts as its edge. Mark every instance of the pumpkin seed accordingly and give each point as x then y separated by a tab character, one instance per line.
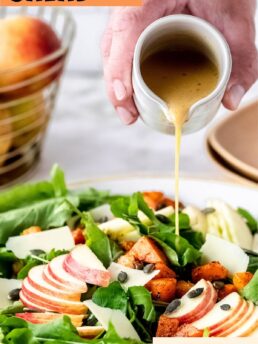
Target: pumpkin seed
208	210
122	277
218	285
195	293
172	306
225	307
14	295
149	268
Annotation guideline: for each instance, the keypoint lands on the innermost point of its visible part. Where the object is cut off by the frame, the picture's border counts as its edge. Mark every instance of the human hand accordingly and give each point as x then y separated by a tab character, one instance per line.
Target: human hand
234	19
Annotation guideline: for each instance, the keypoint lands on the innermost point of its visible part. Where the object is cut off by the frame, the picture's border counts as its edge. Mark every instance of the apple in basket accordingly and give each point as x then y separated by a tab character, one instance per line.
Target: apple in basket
5	134
25	44
29	117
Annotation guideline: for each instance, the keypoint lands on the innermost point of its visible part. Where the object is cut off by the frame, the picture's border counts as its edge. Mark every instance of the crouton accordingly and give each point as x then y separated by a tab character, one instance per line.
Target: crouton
153	198
241	279
78	236
127	245
210	272
226	290
182	288
31	230
164	271
187	330
146	250
157	200
167	327
162	289
127	260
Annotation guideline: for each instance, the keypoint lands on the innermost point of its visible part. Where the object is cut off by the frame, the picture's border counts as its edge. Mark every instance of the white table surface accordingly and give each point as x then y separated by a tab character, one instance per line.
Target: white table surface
87	139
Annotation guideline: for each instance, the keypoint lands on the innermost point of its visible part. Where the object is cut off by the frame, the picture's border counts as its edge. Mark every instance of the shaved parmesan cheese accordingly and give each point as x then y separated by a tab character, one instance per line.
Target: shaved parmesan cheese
59	239
229	224
101	213
225	252
119	229
6	285
120	322
135	277
255	243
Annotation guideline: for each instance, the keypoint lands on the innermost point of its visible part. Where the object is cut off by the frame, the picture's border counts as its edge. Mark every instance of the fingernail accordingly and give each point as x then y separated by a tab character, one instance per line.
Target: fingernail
125	116
236	93
119	90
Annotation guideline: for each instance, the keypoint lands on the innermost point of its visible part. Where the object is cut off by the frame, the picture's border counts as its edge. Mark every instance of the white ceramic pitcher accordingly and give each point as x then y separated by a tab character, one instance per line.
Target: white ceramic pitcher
198	34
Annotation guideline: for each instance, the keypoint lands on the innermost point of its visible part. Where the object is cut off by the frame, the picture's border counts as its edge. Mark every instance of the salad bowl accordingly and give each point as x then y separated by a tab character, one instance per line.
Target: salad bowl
98	262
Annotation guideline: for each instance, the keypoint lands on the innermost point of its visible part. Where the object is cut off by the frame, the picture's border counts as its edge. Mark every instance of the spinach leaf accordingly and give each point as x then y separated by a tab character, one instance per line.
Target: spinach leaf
16	307
194	237
141	297
111	337
175	244
46	214
22	195
7	258
60	331
28	194
249	219
91	198
184	221
253	264
113	297
58	181
180	250
142	327
104	248
250	291
128	209
168	250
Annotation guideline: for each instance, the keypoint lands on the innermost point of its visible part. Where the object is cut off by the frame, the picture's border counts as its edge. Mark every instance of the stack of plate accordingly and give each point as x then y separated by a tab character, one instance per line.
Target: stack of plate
233	144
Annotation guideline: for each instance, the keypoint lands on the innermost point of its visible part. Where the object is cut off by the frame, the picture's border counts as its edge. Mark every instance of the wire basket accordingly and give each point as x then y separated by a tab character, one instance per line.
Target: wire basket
27	96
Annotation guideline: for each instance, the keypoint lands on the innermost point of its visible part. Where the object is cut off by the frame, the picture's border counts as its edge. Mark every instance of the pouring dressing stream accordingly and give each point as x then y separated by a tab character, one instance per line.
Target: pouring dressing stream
180	78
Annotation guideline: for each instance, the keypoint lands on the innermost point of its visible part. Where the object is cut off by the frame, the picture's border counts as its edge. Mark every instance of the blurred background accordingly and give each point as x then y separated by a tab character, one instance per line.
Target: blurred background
86	137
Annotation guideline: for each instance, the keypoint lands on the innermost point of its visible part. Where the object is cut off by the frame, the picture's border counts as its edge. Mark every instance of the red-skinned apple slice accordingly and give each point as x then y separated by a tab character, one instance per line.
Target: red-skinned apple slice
47	302
216	317
208	307
238	317
51	280
245	325
57	271
191	308
36	280
83	264
45	317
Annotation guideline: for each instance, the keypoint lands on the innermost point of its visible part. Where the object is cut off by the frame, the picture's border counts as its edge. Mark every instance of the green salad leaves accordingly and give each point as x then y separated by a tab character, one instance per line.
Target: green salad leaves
44	204
136	303
250	291
105	249
60	331
180	250
251	222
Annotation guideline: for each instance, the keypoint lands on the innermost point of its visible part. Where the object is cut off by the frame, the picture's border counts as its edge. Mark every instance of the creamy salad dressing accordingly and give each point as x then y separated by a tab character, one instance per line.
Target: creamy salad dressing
180	78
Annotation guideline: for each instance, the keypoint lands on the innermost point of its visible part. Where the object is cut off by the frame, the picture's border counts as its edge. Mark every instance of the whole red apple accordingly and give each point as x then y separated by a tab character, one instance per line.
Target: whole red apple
25	40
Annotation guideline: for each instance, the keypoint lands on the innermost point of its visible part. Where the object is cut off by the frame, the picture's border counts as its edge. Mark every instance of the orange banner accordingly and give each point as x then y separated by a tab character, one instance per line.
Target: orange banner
71	2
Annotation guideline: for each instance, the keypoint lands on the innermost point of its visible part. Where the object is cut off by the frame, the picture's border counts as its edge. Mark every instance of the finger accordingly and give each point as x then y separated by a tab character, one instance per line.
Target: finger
236	22
127	25
244	74
106	43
